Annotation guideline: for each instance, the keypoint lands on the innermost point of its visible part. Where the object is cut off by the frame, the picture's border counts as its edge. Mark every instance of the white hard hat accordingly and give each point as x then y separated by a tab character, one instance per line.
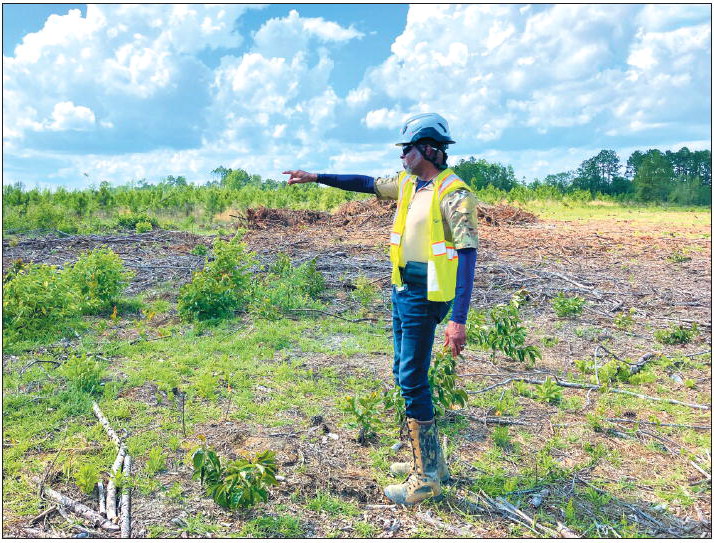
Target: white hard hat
425	125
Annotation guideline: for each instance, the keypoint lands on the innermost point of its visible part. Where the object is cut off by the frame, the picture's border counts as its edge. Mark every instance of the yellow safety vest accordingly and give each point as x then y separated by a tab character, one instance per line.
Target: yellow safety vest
443	258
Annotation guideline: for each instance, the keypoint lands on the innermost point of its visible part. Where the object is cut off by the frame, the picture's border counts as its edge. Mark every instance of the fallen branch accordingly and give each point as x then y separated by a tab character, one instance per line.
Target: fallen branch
332	315
502	383
504	508
608	351
105	422
111	486
137	340
700	469
637	366
380	506
636	510
636	421
30	364
498	420
126	500
81	510
102	498
130	265
697	354
44	514
568	384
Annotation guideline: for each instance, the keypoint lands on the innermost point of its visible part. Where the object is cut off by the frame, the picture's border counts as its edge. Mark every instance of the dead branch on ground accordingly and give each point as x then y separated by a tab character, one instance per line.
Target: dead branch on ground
568	384
81	510
126	501
105	422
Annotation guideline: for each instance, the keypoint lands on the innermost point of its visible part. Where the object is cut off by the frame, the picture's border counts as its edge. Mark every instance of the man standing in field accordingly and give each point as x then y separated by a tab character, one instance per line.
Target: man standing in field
433	248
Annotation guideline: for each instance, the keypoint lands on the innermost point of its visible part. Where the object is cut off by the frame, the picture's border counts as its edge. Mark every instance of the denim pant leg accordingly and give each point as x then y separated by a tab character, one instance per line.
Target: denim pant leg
414	320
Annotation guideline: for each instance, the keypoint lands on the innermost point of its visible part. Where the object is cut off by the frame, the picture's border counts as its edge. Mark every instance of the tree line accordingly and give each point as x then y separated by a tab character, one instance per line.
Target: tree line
680	177
653	176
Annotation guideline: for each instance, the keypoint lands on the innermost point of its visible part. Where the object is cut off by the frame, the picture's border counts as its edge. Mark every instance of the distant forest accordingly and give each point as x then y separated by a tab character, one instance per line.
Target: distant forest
682	177
652	177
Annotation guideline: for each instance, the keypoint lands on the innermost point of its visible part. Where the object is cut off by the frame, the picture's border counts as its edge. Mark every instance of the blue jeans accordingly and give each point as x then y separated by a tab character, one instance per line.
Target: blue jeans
414	320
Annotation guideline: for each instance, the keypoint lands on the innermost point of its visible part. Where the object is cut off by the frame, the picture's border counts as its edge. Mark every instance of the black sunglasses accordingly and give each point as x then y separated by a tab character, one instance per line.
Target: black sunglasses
406	148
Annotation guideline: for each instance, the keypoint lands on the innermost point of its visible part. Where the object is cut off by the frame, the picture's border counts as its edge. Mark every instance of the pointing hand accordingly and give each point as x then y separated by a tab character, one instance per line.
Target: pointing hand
300	176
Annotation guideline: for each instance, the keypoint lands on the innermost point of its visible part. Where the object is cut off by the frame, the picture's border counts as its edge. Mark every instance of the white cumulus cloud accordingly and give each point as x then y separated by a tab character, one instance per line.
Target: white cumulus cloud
67	116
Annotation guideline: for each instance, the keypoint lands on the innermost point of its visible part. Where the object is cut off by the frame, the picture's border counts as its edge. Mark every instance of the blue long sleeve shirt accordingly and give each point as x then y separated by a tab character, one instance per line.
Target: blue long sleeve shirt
467	257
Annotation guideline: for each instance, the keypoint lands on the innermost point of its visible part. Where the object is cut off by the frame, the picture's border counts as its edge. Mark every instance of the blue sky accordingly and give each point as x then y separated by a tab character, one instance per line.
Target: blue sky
128	92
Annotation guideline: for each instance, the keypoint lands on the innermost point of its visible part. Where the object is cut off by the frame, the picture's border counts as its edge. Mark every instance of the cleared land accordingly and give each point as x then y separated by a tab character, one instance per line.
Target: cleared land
601	462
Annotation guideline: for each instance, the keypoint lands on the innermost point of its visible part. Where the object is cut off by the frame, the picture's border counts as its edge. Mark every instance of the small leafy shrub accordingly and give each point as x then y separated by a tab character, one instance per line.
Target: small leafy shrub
569	511
130	220
505	406
504	333
365	291
287	287
143	226
365	412
222	287
549	392
550	341
15	267
523	389
442	380
365	530
199	250
596	422
501	438
625	320
566	306
156	461
99	277
392	398
86	477
596	497
240	483
175	492
676	335
83	373
174	443
678	257
35	295
642	377
585	366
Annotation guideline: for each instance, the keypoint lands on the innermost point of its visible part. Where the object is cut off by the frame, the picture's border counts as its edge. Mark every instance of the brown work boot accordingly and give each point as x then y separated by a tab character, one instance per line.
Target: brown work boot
423	481
405	468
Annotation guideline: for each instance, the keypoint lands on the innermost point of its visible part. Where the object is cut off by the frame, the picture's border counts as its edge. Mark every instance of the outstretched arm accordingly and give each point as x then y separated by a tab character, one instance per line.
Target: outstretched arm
356	183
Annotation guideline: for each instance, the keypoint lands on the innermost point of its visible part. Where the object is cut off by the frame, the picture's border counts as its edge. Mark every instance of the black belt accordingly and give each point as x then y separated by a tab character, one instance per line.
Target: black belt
414	273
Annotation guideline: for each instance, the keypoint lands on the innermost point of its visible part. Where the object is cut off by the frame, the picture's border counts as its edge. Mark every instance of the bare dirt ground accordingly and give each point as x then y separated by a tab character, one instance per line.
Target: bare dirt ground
613	265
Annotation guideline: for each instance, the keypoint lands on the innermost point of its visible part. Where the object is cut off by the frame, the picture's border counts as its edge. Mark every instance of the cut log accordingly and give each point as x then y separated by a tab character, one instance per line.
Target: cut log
126	500
44	513
637	366
102	498
81	510
111	487
105	422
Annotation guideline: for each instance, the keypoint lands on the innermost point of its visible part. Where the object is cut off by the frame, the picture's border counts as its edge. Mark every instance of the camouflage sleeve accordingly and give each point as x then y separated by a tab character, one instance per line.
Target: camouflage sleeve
387	188
460	215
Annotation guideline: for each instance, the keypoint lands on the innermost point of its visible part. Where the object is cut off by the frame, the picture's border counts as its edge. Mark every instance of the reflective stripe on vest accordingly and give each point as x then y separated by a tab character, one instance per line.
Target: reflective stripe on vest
446	183
438	248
